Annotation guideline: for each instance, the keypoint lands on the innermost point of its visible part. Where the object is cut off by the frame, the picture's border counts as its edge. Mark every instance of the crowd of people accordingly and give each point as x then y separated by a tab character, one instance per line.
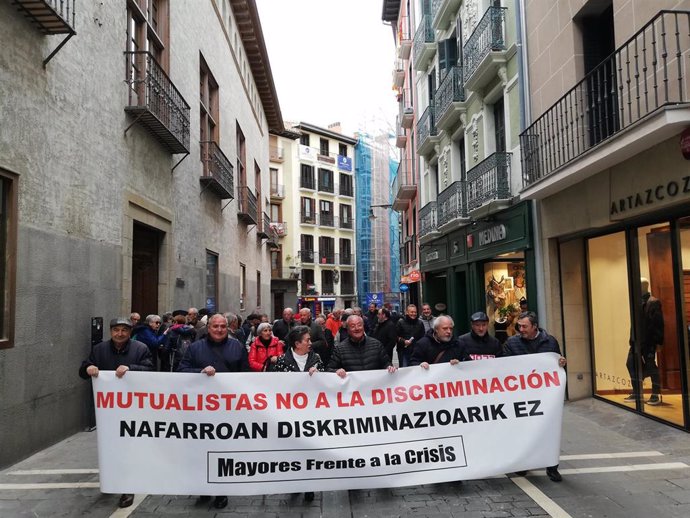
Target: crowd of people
343	341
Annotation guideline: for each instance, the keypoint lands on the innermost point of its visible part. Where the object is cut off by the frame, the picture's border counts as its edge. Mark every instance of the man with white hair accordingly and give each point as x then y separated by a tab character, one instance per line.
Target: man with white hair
282	326
358	352
318	338
439	345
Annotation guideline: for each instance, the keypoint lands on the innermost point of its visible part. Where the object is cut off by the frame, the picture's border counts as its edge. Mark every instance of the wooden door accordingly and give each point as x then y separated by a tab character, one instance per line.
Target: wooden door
145	264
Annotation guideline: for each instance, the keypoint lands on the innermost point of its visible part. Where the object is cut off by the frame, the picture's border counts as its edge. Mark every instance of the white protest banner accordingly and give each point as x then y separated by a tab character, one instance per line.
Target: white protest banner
262	433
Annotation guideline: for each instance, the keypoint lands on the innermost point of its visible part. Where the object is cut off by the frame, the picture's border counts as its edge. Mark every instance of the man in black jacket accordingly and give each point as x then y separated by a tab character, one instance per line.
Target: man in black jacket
480	345
318	338
282	326
409	330
439	346
371	319
358	352
119	354
385	331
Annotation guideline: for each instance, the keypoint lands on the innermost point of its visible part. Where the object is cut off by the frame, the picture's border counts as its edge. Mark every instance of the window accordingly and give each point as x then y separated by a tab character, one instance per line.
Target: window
345	185
345	216
307	177
325	180
306	248
147	29
241	157
327	285
323	146
345	251
257	187
208	112
8	253
258	289
342	149
326	250
308	210
308	286
243	285
211	281
304	139
500	126
326	213
276	188
447	54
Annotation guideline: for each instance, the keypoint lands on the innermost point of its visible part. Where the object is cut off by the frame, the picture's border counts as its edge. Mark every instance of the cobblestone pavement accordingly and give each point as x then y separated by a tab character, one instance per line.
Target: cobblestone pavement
614	464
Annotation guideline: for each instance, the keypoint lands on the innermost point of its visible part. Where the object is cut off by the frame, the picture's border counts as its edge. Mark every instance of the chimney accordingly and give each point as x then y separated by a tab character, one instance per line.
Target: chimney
335	127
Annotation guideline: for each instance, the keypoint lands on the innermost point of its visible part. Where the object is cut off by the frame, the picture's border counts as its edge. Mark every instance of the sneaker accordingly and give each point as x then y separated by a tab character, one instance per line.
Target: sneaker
125	500
553	474
654	400
631	398
220	502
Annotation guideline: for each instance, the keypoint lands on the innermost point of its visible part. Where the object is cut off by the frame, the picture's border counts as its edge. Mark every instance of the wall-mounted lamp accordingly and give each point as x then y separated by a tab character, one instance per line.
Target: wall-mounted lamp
372	216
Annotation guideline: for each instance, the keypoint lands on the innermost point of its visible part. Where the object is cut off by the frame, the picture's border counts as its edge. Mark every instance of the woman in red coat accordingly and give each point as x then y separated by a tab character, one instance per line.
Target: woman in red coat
265	347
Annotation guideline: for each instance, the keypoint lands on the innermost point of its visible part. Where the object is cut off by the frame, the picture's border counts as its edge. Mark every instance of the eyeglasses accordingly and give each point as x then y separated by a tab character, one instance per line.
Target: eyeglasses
157	322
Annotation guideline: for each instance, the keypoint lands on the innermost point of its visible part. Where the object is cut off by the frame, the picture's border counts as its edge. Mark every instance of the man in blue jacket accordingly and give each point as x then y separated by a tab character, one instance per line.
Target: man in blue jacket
532	339
217	352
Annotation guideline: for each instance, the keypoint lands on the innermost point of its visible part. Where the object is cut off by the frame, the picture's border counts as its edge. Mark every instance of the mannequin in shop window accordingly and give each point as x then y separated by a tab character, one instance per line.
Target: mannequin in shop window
650	341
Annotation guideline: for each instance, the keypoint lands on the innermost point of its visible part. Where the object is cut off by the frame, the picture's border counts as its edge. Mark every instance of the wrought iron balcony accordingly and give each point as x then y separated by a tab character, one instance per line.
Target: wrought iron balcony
406	112
290	273
247	208
325	186
218	171
398	73
443	12
307	182
427	135
449	101
428	225
424	44
452	205
155	102
347	289
643	76
345	222
346	259
404	40
484	51
306	256
326	219
276	154
401	135
308	218
345	189
277	190
263	227
280	228
327	258
404	186
489	181
49	16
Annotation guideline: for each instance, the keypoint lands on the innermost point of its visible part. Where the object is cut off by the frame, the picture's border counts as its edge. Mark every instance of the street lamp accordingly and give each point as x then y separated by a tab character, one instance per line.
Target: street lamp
372	216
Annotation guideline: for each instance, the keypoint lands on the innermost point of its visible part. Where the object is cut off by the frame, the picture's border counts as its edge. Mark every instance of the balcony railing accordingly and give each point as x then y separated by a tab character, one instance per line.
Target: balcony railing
424	45
247	209
155	102
642	76
449	91
307	217
345	259
404	41
326	219
404	186
307	182
347	289
263	227
306	256
276	154
218	171
488	36
451	203
327	258
427	219
326	187
277	190
345	222
426	128
49	16
285	273
345	190
489	181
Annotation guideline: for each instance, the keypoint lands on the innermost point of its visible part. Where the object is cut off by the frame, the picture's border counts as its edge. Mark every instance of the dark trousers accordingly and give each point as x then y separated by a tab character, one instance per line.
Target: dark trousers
649	370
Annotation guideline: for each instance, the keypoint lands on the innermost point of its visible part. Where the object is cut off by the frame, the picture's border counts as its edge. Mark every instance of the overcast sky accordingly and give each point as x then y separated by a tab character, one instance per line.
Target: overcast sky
332	60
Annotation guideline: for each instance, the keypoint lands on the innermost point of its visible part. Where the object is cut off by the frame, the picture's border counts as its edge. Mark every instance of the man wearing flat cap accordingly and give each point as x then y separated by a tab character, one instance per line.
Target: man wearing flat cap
119	354
479	344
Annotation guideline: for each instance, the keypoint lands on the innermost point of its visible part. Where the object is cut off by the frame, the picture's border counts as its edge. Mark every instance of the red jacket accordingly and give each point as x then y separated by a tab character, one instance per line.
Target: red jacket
258	353
333	324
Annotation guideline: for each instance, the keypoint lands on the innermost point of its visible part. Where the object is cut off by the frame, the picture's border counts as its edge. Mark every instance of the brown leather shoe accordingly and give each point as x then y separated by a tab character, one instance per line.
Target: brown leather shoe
125	500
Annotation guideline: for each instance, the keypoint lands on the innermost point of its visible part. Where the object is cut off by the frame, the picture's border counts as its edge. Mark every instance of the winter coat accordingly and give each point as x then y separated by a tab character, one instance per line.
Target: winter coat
180	337
287	363
387	334
367	354
106	357
542	343
259	353
406	328
481	347
226	356
148	336
281	328
430	350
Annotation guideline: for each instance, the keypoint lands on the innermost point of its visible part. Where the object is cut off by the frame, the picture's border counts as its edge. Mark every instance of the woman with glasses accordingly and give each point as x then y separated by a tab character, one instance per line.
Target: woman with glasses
155	342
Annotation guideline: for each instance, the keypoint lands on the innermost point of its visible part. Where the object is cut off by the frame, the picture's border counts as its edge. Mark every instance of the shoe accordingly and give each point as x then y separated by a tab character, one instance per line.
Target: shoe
309	496
220	502
521	473
654	400
125	500
631	398
553	474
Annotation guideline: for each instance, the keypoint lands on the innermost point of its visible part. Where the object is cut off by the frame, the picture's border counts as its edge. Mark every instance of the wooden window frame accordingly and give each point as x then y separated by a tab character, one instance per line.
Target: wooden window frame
9	213
148	32
209	123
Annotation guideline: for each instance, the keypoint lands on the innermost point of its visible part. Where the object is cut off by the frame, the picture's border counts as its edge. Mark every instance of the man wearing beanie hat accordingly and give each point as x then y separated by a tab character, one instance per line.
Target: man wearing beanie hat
119	354
479	343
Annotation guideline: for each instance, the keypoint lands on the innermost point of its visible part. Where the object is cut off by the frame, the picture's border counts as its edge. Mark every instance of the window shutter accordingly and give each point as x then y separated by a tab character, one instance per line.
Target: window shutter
442	55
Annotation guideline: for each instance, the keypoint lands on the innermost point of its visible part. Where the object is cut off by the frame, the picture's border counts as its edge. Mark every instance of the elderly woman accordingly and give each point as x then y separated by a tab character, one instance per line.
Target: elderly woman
299	358
264	349
149	335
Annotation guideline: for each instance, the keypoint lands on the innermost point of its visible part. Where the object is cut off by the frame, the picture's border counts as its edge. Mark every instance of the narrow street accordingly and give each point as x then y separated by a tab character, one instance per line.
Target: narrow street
614	464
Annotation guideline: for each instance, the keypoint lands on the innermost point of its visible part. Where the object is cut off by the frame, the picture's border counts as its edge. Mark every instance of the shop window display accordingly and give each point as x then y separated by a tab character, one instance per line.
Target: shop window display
506	296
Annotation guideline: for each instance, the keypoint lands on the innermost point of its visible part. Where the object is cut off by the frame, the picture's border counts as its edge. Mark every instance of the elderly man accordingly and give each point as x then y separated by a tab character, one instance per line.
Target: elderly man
371	318
318	338
532	339
478	342
282	326
217	352
427	317
409	330
119	354
439	346
358	352
385	331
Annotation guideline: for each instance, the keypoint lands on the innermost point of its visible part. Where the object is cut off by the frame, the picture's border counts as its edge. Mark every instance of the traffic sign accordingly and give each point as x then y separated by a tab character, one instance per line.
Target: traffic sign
404	288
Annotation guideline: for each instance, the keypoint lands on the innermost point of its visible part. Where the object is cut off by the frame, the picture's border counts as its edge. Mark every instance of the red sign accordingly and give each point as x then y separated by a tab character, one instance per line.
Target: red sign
470	240
415	275
685	143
